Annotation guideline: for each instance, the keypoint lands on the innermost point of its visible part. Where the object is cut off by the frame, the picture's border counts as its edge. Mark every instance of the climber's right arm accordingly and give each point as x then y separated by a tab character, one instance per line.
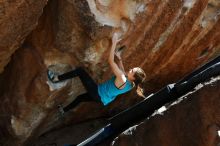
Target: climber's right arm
120	76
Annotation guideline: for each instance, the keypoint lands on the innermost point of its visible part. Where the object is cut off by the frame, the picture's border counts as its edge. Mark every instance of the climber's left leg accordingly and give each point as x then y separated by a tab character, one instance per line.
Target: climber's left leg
81	98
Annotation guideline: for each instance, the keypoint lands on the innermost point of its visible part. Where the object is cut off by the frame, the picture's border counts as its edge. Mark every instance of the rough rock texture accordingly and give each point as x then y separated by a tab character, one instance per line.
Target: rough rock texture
17	19
168	39
192	121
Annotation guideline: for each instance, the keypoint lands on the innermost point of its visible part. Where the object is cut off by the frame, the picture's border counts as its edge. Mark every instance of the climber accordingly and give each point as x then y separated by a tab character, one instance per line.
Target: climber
106	92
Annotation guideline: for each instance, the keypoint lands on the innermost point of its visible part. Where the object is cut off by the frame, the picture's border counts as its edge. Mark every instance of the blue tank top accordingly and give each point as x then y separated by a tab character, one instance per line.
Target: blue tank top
108	91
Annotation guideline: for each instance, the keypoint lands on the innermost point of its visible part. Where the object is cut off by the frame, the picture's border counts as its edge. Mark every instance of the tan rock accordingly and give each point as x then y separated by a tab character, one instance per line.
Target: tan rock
168	39
17	19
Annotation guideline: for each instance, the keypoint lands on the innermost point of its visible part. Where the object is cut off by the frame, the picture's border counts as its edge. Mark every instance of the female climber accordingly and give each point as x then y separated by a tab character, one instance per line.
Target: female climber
106	92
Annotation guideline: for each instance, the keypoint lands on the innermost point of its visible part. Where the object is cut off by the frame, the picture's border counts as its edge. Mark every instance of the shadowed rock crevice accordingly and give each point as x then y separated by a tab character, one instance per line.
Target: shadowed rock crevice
191	121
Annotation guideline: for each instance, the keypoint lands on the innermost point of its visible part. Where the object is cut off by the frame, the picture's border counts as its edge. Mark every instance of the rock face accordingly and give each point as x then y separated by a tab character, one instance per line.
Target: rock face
194	121
17	19
168	39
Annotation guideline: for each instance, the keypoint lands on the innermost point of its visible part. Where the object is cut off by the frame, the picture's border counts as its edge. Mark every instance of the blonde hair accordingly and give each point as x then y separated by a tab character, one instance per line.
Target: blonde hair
140	77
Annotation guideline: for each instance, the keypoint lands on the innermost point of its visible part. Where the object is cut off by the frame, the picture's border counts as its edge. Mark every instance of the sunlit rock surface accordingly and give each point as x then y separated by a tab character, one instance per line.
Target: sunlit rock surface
168	39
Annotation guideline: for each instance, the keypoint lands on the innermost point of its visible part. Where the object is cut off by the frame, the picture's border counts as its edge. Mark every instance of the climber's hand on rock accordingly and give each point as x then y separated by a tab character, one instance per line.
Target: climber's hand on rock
115	38
118	55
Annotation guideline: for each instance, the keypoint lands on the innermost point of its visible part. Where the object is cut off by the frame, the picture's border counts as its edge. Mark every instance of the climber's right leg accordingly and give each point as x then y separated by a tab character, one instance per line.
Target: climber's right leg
87	81
57	78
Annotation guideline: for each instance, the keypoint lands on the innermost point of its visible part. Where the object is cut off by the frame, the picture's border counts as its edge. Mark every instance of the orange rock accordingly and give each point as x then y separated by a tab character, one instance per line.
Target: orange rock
168	39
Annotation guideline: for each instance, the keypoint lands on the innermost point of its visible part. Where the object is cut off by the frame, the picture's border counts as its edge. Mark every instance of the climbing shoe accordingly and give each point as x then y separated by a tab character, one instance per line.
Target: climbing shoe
52	76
